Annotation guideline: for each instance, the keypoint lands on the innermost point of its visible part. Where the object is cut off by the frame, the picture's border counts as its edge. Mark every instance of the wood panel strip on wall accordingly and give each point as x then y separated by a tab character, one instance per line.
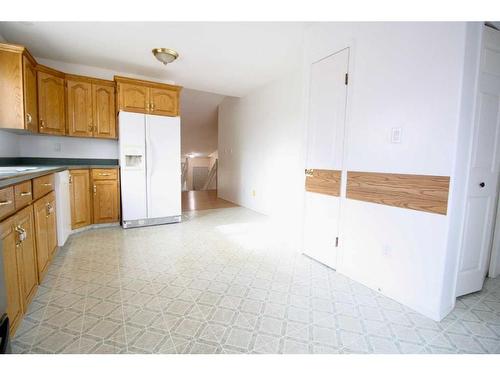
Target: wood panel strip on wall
324	181
415	192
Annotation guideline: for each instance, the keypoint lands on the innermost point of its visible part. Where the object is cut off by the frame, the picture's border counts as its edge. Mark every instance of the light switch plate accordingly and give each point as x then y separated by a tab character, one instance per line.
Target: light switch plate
396	135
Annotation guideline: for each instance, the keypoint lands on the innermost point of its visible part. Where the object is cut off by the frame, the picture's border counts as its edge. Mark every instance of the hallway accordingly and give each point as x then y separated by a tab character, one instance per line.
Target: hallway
196	200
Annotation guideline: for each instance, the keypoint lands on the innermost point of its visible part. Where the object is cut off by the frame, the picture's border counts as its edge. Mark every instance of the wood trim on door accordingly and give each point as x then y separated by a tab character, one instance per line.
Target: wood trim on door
415	192
323	181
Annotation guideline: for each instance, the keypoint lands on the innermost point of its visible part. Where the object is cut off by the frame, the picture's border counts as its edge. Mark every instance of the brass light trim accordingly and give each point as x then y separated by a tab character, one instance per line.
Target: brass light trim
165	55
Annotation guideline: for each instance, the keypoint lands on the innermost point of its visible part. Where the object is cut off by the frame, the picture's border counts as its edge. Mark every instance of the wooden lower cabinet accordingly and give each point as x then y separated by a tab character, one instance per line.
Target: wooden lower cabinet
80	198
9	239
46	232
20	262
95	196
27	257
106	204
29	240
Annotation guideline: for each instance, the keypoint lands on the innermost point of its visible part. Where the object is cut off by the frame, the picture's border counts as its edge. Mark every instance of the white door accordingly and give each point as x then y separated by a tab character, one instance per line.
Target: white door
132	166
484	171
325	149
163	164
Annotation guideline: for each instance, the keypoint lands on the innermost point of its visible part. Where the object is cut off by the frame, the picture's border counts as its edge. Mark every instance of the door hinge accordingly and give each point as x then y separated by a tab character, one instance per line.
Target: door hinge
336	242
347	78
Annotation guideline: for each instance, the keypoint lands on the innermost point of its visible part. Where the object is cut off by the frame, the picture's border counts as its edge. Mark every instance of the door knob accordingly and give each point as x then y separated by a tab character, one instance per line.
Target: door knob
482	184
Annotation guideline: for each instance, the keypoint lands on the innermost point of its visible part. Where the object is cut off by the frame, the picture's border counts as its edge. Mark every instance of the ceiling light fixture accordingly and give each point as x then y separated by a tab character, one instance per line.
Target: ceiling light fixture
165	55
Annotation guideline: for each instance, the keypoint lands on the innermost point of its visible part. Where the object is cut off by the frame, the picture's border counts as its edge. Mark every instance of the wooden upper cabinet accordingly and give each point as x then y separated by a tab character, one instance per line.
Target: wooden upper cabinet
51	107
163	102
104	110
133	98
18	92
81	210
79	108
147	97
30	95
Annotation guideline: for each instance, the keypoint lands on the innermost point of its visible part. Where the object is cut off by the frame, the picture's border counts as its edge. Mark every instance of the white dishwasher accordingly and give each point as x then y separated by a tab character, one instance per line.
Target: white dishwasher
63	208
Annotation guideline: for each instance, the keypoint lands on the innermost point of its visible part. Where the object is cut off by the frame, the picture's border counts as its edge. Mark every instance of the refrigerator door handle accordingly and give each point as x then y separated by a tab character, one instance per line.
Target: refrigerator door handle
149	168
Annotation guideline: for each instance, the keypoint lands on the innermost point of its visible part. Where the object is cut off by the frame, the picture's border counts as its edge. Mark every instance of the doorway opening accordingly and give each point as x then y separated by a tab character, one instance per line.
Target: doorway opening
199	140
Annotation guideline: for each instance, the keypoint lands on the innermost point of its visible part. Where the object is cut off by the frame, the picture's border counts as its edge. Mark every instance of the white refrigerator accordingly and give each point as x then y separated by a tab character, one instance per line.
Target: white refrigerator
150	168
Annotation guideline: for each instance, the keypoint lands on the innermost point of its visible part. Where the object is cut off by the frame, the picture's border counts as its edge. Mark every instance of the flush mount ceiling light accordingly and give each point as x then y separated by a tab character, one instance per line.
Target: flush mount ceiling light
165	55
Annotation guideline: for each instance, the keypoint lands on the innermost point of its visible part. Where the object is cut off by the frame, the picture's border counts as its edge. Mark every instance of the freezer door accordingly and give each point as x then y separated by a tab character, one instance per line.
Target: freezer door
163	163
133	166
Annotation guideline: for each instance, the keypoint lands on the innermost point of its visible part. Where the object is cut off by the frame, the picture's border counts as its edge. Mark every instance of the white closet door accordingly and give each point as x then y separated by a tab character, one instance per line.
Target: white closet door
482	188
325	149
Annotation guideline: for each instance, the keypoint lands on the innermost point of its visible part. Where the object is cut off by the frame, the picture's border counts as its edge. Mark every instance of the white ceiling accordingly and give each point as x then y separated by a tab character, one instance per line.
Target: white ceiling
222	57
199	122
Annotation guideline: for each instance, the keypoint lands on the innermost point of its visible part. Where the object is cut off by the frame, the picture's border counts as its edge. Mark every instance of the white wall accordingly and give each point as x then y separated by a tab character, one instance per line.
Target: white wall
261	148
406	75
9	144
67	147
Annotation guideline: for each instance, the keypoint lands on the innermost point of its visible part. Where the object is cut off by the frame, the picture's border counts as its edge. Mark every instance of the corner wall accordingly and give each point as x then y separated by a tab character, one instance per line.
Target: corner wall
261	149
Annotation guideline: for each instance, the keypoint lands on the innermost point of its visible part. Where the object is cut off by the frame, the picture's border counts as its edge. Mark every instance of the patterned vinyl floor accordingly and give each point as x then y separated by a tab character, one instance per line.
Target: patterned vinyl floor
223	281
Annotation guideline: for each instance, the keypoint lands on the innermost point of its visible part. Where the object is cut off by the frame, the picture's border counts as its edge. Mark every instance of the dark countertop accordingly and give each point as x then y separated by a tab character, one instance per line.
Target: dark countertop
8	179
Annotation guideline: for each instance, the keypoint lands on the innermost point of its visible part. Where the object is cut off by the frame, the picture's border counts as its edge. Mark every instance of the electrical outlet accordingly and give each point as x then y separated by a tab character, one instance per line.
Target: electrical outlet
387	251
396	135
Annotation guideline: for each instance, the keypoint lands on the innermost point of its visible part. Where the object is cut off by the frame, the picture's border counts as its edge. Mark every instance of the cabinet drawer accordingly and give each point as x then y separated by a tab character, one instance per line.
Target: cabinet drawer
42	185
7	201
23	194
105	174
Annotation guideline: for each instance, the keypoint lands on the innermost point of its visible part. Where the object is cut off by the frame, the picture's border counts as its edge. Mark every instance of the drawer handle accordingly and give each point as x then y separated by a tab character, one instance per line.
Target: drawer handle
46	184
5	203
95	189
25	193
104	174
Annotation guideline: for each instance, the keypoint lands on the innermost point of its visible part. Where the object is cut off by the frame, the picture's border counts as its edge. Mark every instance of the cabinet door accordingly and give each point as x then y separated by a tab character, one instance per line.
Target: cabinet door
42	249
51	110
79	108
51	224
106	206
133	98
163	102
12	282
28	267
30	96
104	111
80	198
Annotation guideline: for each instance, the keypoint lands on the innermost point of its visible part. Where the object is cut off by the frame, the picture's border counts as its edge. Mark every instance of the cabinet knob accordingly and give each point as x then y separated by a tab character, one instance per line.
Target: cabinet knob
29	119
95	189
42	124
